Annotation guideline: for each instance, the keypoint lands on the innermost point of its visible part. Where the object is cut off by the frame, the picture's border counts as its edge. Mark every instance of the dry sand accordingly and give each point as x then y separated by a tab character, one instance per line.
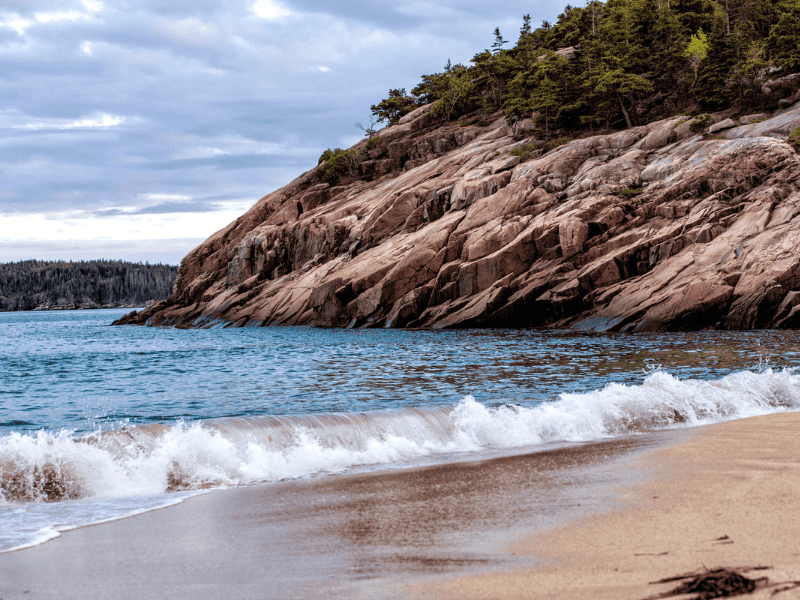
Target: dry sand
728	497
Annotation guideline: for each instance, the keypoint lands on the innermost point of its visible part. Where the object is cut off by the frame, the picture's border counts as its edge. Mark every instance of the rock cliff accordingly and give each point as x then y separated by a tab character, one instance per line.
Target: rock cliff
653	228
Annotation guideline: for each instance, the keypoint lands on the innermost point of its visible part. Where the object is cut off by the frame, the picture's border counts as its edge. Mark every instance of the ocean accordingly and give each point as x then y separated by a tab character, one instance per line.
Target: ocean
99	423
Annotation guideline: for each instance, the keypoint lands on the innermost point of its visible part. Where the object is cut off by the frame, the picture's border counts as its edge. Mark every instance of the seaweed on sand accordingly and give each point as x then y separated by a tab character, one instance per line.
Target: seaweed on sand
713	583
721	583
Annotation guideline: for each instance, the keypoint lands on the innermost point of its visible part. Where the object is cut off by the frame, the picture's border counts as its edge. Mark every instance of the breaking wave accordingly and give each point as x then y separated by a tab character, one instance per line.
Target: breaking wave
153	459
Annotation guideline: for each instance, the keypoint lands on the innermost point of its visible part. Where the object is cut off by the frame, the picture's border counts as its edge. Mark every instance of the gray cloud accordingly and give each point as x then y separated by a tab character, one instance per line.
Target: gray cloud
383	14
163	208
153	251
230	162
202	99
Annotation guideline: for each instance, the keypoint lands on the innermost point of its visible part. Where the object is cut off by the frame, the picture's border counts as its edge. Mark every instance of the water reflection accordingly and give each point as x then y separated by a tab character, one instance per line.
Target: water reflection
358	535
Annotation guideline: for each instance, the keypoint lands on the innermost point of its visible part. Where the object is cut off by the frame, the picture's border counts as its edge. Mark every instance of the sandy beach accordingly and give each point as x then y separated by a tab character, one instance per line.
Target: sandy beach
728	497
589	521
363	535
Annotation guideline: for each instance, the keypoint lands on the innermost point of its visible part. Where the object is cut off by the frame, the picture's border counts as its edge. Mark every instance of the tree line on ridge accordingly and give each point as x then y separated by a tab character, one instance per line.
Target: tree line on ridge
618	64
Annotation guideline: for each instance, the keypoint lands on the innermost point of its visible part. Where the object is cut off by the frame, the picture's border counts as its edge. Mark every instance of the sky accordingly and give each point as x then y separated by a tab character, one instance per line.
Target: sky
134	129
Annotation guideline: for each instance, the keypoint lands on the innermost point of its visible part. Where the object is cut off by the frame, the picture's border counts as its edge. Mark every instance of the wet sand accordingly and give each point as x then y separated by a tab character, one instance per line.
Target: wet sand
349	536
728	497
589	521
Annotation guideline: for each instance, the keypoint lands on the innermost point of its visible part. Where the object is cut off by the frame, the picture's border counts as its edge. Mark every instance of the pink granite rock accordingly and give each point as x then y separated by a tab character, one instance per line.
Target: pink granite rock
454	231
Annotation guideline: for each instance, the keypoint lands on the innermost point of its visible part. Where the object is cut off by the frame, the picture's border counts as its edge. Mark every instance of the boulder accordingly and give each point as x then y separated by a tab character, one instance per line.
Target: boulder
746	120
726	124
780	125
660	136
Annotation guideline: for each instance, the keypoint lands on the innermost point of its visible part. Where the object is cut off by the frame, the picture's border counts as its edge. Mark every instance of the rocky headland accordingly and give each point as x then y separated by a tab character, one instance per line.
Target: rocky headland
655	228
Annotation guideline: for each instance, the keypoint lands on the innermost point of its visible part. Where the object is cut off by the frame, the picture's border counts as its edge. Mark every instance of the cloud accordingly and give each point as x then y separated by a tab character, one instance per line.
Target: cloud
64	15
16	23
145	120
92	6
192	206
12	119
192	32
165	251
270	10
374	12
224	162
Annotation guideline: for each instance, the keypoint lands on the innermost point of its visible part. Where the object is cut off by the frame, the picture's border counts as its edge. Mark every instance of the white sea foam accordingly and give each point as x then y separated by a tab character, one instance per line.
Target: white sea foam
27	525
152	460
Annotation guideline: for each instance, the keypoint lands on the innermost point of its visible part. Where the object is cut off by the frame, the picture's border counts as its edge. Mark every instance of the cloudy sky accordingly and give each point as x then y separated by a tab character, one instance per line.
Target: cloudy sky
134	129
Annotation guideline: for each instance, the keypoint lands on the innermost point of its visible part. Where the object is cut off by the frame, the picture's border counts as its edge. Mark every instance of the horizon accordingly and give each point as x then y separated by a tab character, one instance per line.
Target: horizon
144	263
174	120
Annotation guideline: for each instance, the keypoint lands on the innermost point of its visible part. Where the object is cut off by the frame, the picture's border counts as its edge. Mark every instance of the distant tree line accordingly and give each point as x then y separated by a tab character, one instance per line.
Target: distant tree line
618	64
31	284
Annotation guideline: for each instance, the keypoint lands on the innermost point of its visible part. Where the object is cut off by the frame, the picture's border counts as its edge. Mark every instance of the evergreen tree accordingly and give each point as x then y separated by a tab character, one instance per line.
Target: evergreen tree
499	42
394	107
456	97
620	63
27	285
713	90
783	42
616	86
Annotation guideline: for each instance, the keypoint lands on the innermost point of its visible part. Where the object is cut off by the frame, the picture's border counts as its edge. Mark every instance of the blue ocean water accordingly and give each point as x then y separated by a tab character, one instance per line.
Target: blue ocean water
97	422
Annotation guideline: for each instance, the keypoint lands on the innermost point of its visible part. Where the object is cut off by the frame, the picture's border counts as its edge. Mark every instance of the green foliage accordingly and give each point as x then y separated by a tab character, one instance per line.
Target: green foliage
700	123
432	87
751	71
794	138
30	284
615	85
696	52
534	149
328	155
373	142
490	74
394	107
456	98
714	90
621	62
629	193
526	152
335	165
697	48
783	42
499	42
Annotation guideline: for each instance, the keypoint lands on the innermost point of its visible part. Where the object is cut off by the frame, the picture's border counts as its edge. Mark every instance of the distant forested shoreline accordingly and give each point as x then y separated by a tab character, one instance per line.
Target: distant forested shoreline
61	285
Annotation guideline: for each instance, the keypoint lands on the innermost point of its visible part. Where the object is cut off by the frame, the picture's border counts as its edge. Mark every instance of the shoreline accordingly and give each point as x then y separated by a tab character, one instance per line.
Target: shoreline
75	308
361	535
599	520
727	497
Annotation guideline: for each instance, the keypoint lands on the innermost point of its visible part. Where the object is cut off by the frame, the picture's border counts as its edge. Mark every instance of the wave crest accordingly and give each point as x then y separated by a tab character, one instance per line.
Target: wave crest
153	459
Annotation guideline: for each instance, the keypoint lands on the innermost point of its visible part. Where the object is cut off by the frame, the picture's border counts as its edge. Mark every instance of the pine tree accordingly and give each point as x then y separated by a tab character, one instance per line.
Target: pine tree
783	42
394	107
